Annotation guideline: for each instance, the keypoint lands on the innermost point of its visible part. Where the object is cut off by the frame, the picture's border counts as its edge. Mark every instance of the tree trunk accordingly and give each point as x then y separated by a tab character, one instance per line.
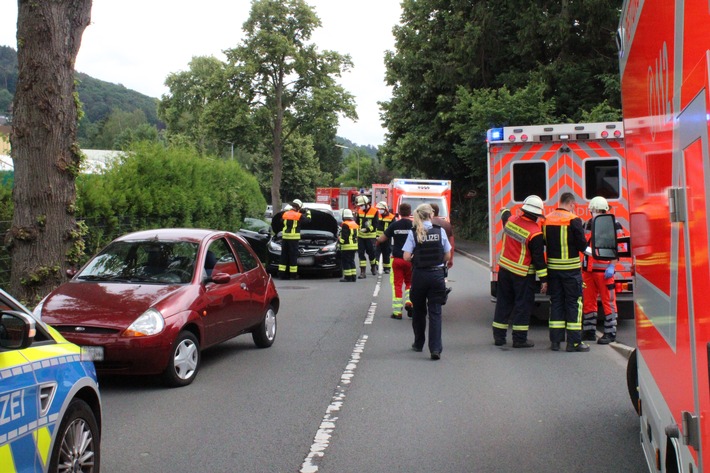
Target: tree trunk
45	152
277	163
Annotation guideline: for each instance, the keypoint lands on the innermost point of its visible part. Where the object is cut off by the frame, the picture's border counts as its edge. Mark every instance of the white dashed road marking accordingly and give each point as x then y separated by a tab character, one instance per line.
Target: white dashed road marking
327	425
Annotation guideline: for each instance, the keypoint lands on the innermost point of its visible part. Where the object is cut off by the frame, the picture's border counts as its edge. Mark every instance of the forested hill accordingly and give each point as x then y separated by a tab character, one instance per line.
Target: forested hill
99	98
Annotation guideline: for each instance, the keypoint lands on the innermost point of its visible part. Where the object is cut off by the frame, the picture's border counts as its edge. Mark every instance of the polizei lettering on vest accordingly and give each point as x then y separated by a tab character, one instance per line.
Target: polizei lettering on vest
433	237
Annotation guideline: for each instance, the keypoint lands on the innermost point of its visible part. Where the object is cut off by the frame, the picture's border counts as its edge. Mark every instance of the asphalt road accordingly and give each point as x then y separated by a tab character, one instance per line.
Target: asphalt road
341	391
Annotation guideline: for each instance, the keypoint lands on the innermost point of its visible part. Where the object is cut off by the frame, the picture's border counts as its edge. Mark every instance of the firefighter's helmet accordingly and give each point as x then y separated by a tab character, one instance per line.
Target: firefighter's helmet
362	200
598	204
347	213
533	205
382	205
297	203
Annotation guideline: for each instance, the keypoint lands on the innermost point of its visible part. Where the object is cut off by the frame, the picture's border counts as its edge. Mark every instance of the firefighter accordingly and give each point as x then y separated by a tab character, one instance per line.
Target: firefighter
522	258
564	238
598	279
291	234
428	249
348	246
385	218
367	219
397	233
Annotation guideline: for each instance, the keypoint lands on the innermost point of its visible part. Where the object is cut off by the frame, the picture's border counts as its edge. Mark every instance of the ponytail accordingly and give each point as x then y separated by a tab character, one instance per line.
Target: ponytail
422	213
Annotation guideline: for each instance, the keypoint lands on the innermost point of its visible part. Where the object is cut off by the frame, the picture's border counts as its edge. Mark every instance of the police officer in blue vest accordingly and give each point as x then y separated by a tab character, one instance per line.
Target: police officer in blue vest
428	248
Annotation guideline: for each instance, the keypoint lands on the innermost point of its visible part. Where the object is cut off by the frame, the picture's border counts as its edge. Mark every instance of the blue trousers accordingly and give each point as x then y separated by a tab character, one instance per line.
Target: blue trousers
427	292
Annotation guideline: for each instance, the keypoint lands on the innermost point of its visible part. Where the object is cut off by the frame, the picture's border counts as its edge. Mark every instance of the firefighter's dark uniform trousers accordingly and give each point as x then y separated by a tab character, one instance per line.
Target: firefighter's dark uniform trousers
565	290
427	293
366	246
515	299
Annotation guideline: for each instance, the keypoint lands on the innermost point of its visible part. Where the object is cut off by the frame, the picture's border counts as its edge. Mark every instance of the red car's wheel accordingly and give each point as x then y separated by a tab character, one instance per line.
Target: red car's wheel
184	360
265	333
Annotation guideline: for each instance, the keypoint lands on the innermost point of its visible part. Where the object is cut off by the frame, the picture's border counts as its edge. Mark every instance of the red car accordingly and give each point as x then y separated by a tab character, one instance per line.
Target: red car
152	300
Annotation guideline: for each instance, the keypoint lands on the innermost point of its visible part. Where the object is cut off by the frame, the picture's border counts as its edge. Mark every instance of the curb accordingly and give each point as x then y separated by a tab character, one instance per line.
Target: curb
473	257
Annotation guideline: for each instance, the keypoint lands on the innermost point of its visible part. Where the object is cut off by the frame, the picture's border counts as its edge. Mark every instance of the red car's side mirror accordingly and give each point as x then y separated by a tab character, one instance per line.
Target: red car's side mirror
71	272
220	278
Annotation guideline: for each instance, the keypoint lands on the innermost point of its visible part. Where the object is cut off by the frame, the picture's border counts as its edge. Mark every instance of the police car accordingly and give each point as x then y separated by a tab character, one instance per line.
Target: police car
50	408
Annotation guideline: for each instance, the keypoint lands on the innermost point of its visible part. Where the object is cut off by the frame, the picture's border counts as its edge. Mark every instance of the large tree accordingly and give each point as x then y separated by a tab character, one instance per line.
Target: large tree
44	234
288	83
459	66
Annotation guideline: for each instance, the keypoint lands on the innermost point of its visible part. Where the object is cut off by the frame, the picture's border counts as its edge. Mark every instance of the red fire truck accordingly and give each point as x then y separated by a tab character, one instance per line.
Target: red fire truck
586	159
664	51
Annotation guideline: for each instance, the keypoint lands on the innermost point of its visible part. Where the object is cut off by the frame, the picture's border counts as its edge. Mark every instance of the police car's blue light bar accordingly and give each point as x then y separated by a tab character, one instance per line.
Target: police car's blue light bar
495	134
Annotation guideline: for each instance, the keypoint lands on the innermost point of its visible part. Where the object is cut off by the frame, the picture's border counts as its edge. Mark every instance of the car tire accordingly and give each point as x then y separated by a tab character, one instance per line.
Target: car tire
184	360
78	441
265	333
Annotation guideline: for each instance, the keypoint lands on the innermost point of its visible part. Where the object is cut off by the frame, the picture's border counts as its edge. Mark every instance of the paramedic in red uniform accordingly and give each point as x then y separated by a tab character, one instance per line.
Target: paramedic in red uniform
401	270
291	234
598	279
564	239
522	259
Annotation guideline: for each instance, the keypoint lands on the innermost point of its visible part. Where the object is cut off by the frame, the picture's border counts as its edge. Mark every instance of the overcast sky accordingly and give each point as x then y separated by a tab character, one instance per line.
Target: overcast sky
137	43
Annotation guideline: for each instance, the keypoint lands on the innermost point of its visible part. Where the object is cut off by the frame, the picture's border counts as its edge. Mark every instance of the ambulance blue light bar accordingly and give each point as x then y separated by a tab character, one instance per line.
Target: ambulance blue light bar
495	134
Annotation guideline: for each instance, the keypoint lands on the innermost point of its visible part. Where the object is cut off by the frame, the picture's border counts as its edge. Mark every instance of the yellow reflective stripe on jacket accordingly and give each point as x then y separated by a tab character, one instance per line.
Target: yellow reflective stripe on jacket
351	243
560	221
520	235
292	228
515	267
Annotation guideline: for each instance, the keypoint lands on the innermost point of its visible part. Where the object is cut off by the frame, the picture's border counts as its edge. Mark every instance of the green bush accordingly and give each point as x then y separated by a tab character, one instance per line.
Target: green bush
158	187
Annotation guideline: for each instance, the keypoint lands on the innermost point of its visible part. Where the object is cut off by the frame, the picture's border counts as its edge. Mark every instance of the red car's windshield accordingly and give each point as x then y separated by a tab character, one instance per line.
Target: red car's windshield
162	262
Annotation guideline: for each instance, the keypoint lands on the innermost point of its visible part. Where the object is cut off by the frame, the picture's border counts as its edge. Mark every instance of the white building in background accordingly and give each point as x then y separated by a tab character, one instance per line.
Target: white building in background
96	160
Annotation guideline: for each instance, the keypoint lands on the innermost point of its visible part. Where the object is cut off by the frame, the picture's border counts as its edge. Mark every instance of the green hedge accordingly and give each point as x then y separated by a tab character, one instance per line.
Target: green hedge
156	187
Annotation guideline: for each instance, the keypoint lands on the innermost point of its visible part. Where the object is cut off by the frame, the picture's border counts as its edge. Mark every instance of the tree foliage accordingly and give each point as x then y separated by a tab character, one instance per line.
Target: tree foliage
287	82
155	186
461	67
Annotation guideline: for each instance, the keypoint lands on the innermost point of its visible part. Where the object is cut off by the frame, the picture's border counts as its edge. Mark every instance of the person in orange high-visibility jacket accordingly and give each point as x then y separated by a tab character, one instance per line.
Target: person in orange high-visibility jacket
598	280
367	220
290	236
383	247
348	246
564	239
522	258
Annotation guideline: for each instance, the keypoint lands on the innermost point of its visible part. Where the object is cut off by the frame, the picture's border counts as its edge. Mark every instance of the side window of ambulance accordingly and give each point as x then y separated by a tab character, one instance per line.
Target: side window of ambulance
601	177
529	179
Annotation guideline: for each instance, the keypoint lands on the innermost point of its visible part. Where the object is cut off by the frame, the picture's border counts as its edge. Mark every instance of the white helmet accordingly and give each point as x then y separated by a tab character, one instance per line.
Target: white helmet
382	205
533	205
598	204
347	213
297	203
362	200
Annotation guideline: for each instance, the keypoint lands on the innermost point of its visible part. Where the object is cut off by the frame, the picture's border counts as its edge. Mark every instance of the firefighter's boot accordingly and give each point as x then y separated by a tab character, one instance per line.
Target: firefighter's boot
373	268
362	273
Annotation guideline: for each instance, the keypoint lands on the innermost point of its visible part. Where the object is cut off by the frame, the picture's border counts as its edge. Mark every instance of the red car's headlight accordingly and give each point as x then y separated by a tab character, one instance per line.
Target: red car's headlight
151	322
